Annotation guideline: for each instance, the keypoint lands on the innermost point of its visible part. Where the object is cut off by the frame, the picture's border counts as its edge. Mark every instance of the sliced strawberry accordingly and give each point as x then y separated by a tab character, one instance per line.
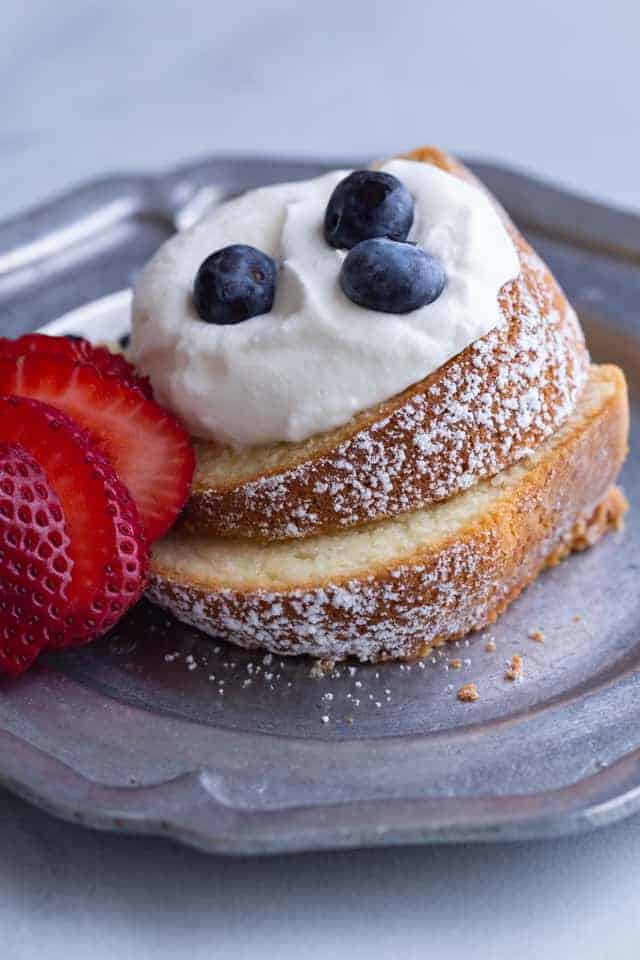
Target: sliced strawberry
35	567
117	366
146	445
104	544
77	348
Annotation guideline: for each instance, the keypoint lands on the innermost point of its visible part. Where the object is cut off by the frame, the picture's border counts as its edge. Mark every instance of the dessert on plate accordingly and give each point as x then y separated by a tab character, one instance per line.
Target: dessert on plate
395	418
359	419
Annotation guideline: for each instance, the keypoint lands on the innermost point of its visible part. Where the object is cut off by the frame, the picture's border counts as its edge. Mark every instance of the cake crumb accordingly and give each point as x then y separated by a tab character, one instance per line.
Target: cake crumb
537	636
320	668
490	646
468	693
455	664
514	671
576	619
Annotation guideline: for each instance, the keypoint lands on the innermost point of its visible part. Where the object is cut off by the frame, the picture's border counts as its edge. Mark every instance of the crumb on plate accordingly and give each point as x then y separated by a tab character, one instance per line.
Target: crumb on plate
468	693
514	671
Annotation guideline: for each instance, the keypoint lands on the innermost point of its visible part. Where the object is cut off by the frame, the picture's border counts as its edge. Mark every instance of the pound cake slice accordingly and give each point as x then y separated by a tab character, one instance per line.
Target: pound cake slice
396	587
480	412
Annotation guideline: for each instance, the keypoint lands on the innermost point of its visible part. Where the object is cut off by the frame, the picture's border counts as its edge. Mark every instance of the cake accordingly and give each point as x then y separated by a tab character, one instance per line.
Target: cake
400	431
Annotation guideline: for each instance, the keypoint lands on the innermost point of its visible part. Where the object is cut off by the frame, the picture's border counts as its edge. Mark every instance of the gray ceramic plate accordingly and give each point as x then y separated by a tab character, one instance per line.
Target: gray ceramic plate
157	730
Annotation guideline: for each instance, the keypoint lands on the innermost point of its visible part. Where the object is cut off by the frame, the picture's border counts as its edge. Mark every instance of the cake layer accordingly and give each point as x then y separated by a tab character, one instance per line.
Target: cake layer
480	412
393	588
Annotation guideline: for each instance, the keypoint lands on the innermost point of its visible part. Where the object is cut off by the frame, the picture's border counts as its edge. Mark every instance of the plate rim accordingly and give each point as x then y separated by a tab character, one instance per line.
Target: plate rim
204	822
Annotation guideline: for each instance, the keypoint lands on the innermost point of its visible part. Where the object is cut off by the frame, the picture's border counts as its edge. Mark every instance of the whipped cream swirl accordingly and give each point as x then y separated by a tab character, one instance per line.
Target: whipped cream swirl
316	358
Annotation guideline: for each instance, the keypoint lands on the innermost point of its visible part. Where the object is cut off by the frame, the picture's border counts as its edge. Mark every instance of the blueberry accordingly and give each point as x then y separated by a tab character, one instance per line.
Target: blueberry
233	284
367	204
392	277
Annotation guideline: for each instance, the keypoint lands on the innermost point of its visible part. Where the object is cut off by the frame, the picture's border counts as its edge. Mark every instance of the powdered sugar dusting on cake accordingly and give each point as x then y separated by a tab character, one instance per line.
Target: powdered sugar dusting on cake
405	610
368	620
430	589
505	395
400	614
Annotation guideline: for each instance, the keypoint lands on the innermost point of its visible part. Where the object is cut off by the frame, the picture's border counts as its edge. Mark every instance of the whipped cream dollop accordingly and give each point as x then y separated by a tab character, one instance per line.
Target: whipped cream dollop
316	358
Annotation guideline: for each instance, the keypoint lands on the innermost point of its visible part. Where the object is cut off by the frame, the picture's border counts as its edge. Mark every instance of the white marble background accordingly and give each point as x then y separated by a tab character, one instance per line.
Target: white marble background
88	88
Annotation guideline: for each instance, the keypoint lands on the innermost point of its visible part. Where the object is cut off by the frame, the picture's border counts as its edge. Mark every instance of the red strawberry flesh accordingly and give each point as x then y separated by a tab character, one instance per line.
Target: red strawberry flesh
149	449
105	546
35	566
110	364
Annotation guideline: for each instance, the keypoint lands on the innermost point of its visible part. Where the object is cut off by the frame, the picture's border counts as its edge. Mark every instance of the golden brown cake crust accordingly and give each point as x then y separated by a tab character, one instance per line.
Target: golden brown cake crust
558	500
480	412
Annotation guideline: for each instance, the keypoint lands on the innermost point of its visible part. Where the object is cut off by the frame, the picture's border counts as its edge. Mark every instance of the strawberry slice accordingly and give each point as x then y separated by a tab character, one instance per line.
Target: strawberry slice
150	451
85	514
35	567
77	348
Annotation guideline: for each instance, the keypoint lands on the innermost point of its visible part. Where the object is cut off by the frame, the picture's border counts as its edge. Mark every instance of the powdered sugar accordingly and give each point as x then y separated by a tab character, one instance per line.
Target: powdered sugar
400	614
367	620
434	590
490	407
